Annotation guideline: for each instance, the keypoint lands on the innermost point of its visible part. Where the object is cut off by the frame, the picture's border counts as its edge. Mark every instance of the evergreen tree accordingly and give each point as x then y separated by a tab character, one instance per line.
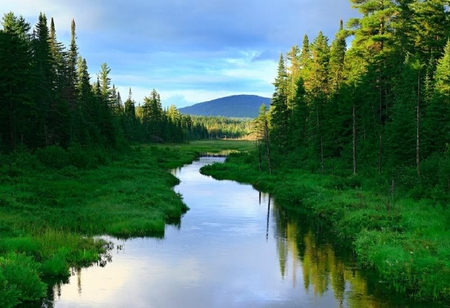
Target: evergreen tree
44	92
437	121
152	116
305	62
59	111
17	108
430	26
261	131
319	94
279	107
337	112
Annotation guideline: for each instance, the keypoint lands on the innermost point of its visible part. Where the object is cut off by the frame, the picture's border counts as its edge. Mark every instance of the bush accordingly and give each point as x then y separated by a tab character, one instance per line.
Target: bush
20	279
79	157
53	157
8	292
22	159
343	183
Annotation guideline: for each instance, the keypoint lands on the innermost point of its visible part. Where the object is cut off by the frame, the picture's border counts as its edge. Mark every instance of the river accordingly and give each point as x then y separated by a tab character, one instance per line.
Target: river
234	248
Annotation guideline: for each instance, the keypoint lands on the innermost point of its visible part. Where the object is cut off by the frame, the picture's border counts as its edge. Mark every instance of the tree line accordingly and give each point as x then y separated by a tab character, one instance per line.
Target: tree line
220	127
380	106
47	98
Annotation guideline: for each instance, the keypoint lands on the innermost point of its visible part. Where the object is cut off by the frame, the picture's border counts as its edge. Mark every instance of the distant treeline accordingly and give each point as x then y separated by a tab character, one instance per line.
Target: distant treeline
47	98
219	127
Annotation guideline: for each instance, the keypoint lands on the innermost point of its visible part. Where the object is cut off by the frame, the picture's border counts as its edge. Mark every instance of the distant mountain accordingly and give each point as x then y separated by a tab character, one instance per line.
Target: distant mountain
236	106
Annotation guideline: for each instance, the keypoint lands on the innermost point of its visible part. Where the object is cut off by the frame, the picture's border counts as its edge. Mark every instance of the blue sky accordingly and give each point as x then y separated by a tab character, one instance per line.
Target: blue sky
189	51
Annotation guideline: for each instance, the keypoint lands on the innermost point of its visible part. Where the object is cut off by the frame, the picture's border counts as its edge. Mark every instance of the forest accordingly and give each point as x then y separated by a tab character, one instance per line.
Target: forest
47	97
380	106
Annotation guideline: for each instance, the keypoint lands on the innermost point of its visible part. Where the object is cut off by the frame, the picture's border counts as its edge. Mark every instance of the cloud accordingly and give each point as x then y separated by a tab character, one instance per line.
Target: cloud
199	48
177	100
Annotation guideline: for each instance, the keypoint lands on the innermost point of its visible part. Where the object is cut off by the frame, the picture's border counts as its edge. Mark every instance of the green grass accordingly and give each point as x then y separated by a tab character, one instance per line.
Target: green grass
407	242
54	202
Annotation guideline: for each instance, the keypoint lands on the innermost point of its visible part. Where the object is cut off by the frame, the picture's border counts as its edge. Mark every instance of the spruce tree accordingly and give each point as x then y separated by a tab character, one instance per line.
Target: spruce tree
437	121
279	107
319	95
17	108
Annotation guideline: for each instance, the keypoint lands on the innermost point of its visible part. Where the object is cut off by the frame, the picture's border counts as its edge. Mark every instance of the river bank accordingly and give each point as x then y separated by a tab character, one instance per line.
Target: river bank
53	202
406	242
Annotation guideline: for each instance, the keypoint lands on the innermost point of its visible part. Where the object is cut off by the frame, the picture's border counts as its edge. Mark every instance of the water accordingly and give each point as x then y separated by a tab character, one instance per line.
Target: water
233	248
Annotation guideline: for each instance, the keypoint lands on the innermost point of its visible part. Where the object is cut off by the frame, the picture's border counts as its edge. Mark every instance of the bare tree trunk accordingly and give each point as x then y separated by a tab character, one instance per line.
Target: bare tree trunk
319	133
321	154
12	127
380	160
418	125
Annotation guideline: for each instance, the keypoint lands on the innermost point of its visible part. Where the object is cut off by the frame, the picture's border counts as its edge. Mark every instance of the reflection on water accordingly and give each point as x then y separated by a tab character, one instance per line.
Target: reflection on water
234	248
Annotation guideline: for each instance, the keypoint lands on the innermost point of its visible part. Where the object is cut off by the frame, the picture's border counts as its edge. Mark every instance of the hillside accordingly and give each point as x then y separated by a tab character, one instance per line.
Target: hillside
236	106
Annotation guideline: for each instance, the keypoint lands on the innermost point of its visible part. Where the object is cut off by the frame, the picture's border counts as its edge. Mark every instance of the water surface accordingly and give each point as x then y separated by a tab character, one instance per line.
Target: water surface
233	248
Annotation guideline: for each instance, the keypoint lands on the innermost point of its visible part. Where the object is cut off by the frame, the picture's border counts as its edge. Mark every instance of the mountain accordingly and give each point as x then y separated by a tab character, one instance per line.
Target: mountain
236	106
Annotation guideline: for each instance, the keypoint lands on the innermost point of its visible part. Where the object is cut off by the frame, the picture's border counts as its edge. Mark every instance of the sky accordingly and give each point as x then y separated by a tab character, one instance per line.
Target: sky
189	51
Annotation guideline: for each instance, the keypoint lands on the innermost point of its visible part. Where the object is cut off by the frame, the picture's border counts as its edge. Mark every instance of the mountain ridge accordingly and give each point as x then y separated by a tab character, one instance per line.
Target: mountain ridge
234	106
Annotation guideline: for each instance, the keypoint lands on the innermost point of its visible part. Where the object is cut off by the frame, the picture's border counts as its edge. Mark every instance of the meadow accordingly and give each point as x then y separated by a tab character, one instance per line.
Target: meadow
55	203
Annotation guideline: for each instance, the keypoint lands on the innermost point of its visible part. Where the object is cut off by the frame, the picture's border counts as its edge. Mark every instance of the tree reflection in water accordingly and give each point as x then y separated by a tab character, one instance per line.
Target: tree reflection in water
307	244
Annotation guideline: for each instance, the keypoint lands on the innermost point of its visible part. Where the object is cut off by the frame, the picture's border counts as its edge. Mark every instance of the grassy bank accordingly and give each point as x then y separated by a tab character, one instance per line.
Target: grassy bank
53	201
406	241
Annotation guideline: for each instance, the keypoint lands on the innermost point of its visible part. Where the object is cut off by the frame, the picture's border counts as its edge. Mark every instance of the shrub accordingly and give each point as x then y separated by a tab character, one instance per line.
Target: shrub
79	157
53	157
9	294
20	159
20	279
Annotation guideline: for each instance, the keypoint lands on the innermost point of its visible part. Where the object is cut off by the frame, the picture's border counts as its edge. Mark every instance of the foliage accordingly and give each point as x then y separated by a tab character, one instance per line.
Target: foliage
20	279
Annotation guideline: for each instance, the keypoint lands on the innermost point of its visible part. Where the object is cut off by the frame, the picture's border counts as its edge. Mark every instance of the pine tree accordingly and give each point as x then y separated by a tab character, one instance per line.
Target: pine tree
319	94
337	59
374	44
44	92
59	115
152	116
337	112
430	26
279	107
437	121
17	109
261	131
305	62
402	130
299	137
